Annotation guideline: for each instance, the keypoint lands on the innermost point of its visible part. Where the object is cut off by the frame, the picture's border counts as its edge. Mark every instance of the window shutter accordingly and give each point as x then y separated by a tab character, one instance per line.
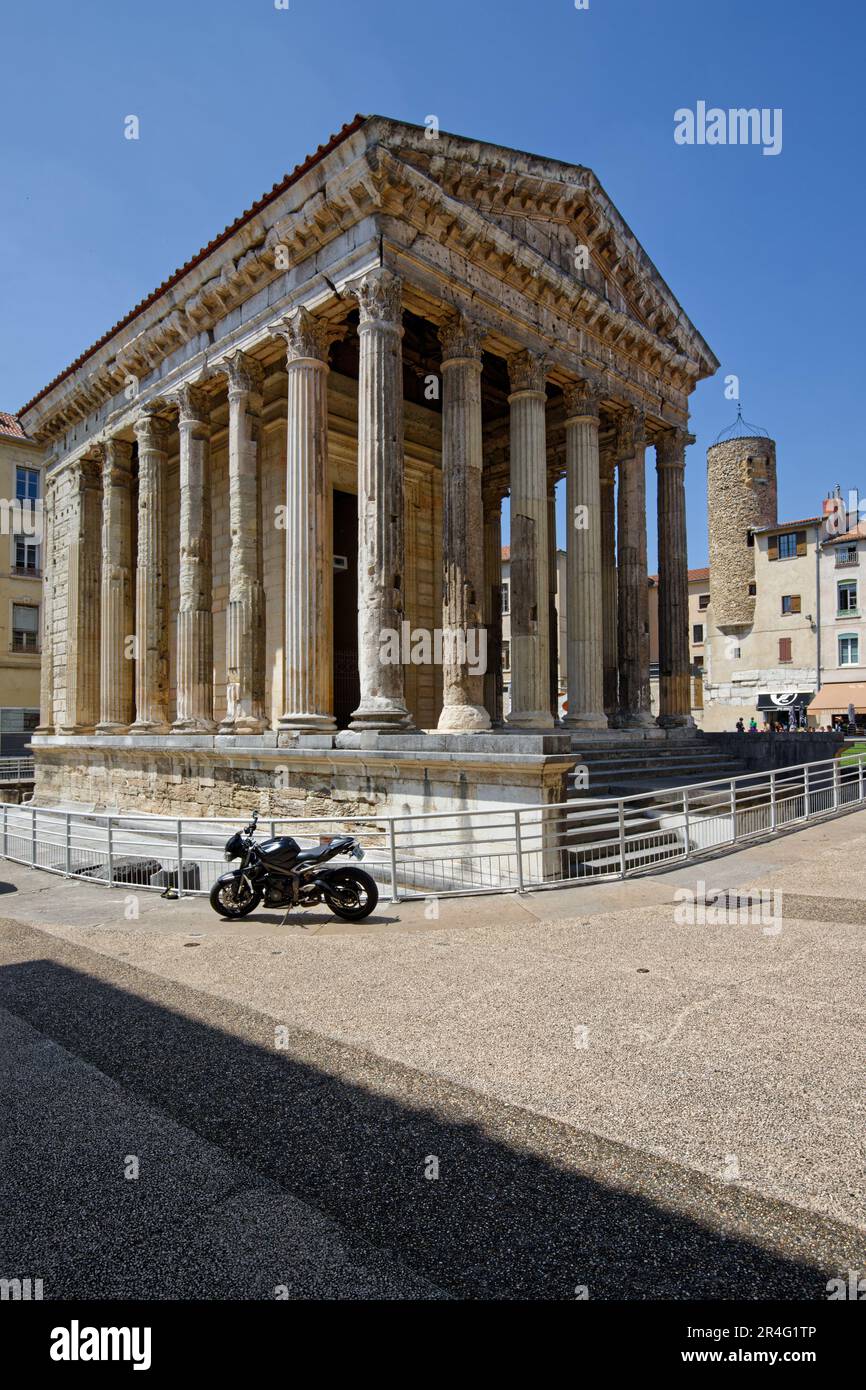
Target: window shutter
773	547
795	603
784	649
801	542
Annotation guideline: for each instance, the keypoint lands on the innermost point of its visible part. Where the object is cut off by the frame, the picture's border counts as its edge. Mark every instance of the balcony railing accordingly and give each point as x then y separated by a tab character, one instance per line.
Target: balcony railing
844	559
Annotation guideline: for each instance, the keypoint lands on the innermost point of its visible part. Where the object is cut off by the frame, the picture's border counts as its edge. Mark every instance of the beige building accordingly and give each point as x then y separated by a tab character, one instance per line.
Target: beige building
21	463
842	651
274	508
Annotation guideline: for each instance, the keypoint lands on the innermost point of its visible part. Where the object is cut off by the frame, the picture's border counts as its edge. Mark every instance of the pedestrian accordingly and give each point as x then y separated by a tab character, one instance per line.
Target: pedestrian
741	728
753	725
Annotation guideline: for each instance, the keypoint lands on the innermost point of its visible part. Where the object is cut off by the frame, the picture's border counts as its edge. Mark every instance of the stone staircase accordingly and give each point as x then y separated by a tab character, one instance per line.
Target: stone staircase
644	765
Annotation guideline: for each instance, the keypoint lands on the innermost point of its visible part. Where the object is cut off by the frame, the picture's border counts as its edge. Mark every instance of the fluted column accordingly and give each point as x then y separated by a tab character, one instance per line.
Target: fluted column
117	669
151	607
552	614
245	615
492	501
195	568
633	588
46	667
381	557
530	624
585	598
463	530
607	476
309	632
674	673
83	557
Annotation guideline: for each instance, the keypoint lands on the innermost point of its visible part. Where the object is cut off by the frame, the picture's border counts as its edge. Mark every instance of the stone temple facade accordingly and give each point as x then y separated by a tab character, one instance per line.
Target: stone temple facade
289	462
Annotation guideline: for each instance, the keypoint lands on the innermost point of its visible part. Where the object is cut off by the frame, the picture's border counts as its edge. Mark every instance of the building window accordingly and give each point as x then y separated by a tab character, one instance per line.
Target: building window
26	484
506	656
25	627
697	632
703	601
790	603
26	555
849	649
16	726
785	649
506	597
787	544
753	589
846	590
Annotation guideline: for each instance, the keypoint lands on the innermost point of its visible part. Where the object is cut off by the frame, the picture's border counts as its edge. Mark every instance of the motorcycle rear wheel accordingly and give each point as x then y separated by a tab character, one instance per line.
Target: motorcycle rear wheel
223	901
351	894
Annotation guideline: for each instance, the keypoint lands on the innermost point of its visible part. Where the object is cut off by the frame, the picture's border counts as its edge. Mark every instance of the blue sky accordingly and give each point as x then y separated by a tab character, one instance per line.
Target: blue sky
764	253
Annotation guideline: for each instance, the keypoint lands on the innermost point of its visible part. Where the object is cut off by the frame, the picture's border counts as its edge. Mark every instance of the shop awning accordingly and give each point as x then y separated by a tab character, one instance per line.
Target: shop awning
836	697
786	699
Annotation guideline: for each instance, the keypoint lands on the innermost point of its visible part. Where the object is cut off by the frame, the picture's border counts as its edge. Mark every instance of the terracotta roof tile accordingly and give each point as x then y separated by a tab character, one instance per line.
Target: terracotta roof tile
10	424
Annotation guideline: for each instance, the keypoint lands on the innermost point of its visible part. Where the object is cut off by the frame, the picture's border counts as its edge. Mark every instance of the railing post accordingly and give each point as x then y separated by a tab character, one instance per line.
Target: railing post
179	857
686	820
68	845
519	845
6	813
623	865
859	785
733	812
773	814
392	850
835	784
110	854
807	809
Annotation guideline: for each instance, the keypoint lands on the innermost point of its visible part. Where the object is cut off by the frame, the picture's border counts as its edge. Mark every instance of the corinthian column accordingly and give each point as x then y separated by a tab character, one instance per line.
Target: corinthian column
492	500
465	650
116	658
674	675
380	503
607	476
530	622
245	616
82	616
151	609
195	570
634	687
584	607
308	646
46	667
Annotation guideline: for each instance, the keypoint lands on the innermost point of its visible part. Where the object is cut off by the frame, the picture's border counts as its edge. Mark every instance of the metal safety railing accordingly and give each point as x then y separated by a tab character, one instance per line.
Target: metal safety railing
433	854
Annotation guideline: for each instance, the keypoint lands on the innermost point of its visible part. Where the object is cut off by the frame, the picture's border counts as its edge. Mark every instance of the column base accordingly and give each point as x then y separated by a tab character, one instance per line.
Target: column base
307	724
675	721
463	719
109	726
529	719
150	726
635	719
193	726
246	724
77	729
585	721
384	717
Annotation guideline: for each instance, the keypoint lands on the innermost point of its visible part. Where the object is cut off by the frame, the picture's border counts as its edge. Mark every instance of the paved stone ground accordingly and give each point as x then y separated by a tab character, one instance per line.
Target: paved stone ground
708	1141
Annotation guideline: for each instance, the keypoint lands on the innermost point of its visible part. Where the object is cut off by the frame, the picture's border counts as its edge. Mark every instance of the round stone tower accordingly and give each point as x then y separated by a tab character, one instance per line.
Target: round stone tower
741	494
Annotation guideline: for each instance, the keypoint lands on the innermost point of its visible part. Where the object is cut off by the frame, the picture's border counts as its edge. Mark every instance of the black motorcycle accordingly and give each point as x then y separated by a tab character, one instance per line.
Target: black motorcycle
281	874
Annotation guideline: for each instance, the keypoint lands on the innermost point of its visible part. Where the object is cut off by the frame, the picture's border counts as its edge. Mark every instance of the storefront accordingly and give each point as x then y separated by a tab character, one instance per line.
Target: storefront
786	708
839	703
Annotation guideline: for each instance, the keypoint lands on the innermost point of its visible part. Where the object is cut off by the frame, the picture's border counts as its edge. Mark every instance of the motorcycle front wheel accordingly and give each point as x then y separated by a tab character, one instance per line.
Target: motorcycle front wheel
351	894
223	898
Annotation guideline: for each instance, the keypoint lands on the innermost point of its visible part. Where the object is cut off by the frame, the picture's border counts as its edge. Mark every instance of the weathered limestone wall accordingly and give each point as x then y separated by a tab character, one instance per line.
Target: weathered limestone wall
206	781
741	493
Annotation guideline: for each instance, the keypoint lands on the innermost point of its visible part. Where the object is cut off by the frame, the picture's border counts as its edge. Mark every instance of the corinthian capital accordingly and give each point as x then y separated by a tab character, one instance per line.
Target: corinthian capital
116	462
192	404
380	297
630	433
460	337
671	447
244	373
306	337
527	371
151	430
581	400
